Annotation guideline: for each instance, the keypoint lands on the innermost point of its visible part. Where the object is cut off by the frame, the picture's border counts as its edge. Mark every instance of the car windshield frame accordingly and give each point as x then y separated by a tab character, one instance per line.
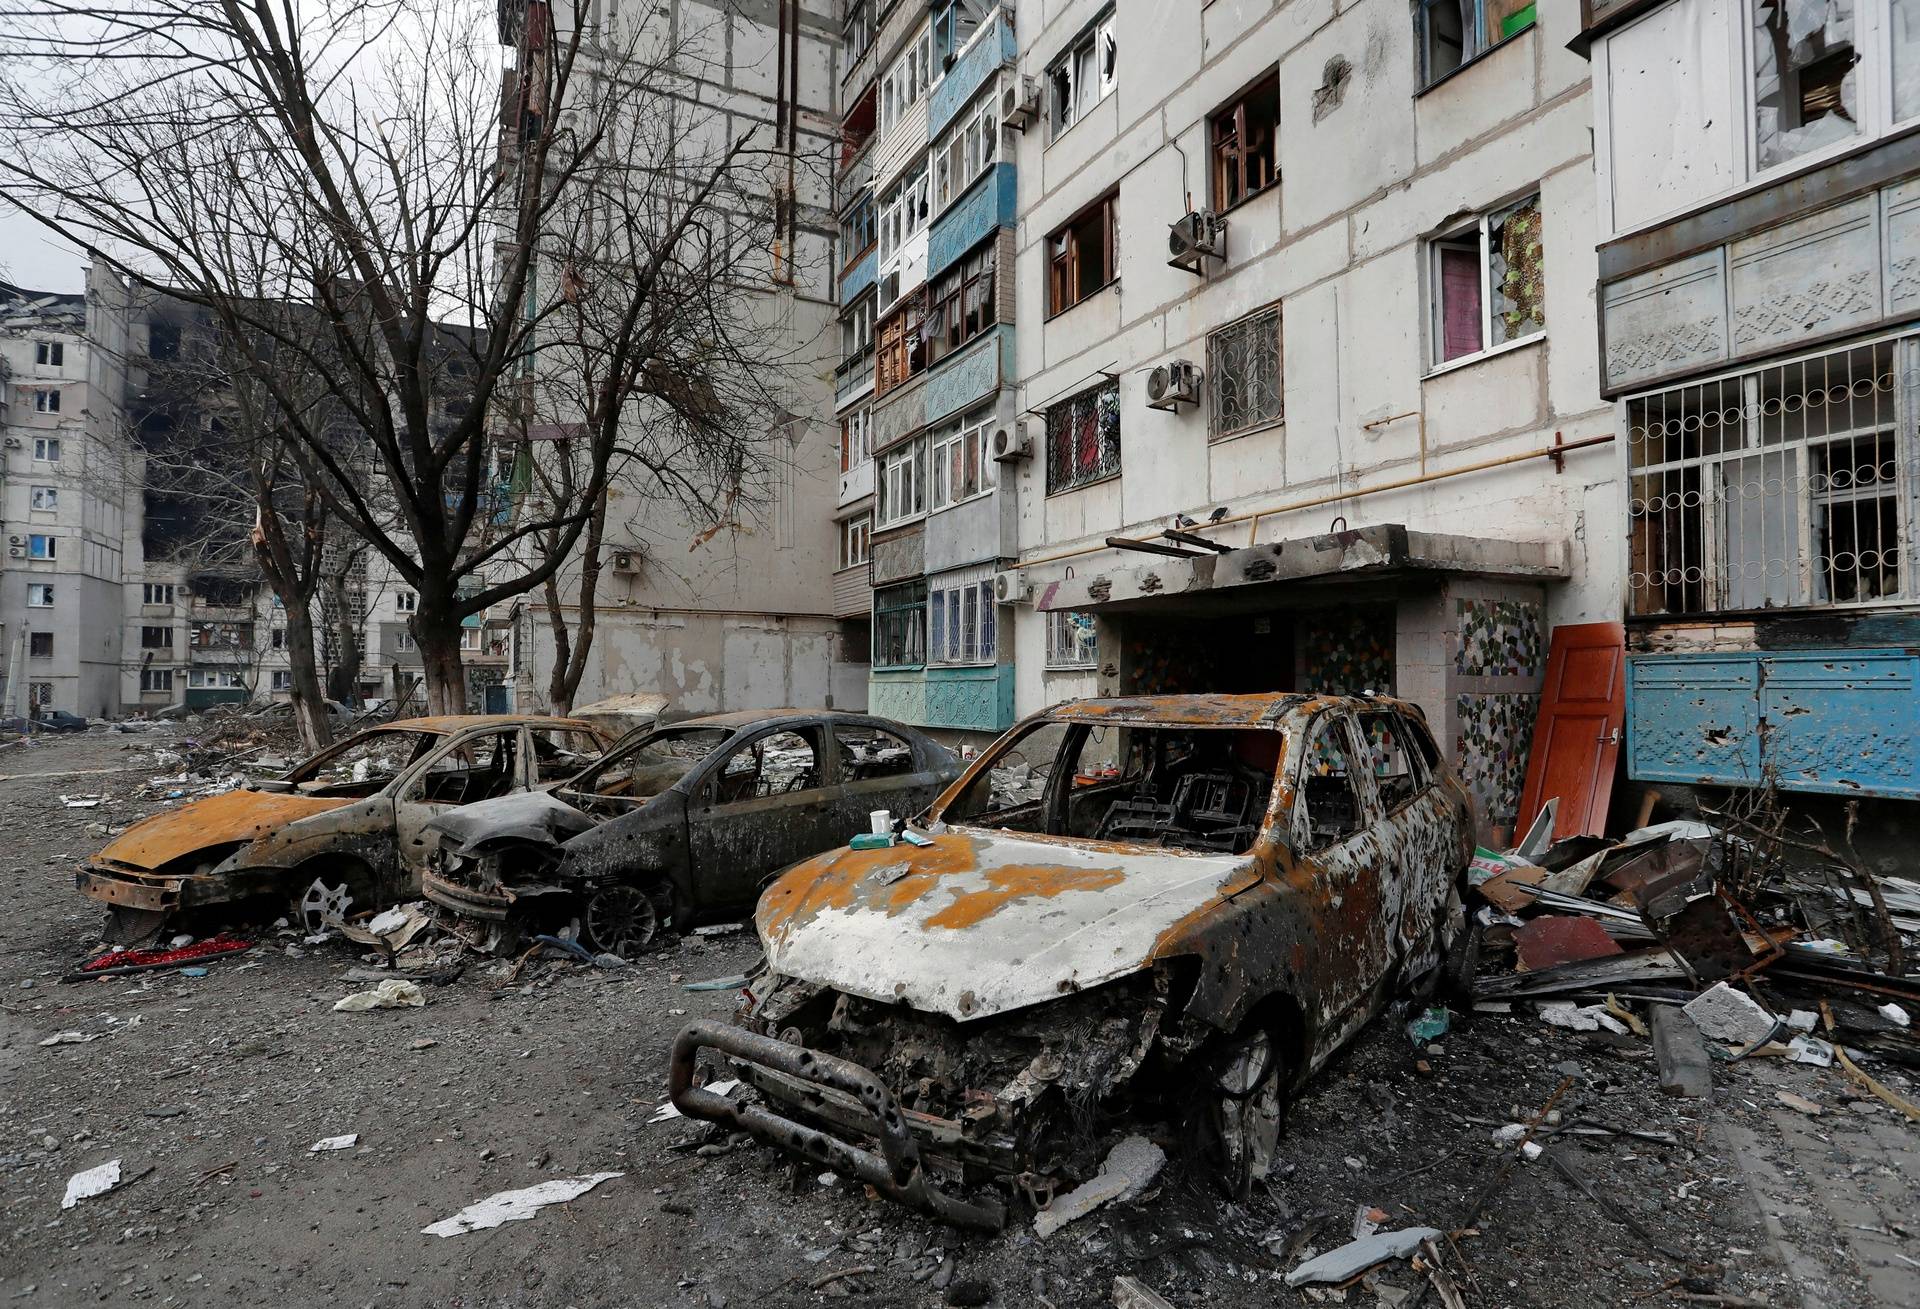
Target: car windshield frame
303	771
636	741
1272	823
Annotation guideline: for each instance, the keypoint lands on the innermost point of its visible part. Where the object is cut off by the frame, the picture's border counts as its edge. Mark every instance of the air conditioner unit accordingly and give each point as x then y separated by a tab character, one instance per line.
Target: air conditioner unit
17	551
1011	445
1012	588
1202	234
13	443
629	559
1019	103
16	540
1172	384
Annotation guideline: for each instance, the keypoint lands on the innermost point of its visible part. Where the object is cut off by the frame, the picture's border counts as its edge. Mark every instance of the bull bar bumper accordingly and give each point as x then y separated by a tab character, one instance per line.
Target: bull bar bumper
896	1172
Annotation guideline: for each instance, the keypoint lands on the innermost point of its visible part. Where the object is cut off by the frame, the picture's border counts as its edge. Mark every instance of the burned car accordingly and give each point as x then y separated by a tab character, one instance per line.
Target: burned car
684	823
1175	906
354	816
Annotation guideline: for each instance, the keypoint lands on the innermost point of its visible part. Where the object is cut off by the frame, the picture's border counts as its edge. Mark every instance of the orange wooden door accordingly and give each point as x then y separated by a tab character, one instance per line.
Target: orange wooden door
1576	742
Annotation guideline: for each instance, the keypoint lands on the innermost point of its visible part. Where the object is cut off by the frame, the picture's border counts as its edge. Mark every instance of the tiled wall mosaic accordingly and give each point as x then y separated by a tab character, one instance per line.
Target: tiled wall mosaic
1499	638
1495	733
1344	651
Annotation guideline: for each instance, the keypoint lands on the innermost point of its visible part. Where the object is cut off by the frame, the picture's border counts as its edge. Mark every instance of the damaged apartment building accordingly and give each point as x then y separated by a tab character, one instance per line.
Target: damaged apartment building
733	609
1303	393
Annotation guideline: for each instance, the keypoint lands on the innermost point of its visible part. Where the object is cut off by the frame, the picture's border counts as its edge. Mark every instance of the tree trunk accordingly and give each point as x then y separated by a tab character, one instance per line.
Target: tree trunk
571	647
446	677
309	701
345	679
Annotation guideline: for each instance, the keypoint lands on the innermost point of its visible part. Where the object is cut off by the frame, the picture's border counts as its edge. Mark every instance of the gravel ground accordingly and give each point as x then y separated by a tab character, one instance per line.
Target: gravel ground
210	1090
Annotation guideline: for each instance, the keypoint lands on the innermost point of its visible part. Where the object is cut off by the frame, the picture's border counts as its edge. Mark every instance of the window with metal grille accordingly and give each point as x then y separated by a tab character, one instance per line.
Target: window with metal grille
961	620
1788	486
900	626
1083	438
1070	640
1243	375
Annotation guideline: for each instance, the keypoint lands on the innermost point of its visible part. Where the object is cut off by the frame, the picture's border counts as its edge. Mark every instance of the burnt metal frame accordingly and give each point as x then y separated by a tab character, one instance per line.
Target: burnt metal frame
896	1172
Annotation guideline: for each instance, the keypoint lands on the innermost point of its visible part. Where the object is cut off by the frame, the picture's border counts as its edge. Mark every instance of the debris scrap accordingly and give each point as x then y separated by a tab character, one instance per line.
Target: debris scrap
516	1206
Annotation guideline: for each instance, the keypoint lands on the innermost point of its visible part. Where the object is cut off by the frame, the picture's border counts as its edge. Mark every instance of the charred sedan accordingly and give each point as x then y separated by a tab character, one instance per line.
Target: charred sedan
685	822
352	816
1178	906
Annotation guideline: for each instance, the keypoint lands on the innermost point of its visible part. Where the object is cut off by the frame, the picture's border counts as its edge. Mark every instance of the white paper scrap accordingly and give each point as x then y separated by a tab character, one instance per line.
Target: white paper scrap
92	1181
512	1206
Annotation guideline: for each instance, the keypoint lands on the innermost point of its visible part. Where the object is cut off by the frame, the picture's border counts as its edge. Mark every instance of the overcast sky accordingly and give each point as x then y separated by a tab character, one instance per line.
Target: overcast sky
33	257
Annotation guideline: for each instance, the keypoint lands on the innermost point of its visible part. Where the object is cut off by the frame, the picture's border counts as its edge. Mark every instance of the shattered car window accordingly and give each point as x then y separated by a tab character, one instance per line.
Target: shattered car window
560	752
1327	791
869	752
769	765
1185	788
478	768
1007	791
1394	775
361	765
636	773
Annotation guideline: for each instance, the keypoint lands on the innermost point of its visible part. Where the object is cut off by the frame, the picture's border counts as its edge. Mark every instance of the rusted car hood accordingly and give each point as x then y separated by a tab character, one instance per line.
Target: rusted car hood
217	820
980	924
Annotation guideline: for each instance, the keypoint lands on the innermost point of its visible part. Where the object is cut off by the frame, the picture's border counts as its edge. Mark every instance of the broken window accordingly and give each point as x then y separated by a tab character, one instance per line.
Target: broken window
870	752
1243	375
966	150
479	768
156	593
900	491
1778	487
900	626
961	464
777	764
46	449
46	402
903	344
40	595
40	645
1454	32
1082	257
1390	757
1084	75
50	354
156	637
1007	791
1246	144
856	438
156	679
853	541
644	768
1328	801
42	546
1806	90
560	752
1488	282
360	765
963	305
1083	438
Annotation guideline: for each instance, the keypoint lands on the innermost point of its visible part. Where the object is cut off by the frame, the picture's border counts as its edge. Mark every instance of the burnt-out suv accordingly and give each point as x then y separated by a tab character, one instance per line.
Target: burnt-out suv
1176	907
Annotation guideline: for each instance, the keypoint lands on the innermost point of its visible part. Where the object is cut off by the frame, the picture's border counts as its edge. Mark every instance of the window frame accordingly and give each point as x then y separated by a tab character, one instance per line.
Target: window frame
40	645
1067	104
911	457
154	680
976	431
46	399
149	590
1063	268
45	593
856	437
1059	485
1063	655
903	602
46	449
962	622
50	354
1216	372
856	541
1479	230
900	352
862	218
43	547
905	82
164	629
1482	47
1233	113
280	679
405	600
970	285
44	499
969	134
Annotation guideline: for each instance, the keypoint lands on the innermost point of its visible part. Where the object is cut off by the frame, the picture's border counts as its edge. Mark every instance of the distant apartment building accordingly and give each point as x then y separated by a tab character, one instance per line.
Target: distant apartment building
728	610
71	494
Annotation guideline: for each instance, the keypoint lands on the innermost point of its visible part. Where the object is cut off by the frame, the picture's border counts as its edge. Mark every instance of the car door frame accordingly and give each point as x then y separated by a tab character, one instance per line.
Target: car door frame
1344	864
907	794
410	818
1419	836
704	892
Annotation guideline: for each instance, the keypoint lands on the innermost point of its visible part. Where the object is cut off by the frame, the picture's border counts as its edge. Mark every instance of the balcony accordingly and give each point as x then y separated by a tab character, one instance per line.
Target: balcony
853	379
990	49
859	277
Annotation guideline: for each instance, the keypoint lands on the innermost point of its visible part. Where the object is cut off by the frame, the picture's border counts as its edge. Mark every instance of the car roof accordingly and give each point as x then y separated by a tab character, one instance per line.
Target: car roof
739	718
1258	710
450	723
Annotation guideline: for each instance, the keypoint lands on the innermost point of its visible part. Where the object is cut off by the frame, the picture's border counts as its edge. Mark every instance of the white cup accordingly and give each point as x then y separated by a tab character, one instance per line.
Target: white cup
881	821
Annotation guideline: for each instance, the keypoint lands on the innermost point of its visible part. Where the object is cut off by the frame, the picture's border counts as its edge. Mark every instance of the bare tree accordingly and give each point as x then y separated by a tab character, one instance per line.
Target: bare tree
452	228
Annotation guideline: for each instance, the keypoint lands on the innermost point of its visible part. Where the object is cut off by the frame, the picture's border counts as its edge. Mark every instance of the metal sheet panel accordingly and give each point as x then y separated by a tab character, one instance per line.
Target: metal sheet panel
1693	718
1844	722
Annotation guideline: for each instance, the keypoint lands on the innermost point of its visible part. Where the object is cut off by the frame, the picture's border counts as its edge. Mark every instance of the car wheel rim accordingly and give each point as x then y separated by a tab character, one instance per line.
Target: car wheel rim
1246	1113
621	920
